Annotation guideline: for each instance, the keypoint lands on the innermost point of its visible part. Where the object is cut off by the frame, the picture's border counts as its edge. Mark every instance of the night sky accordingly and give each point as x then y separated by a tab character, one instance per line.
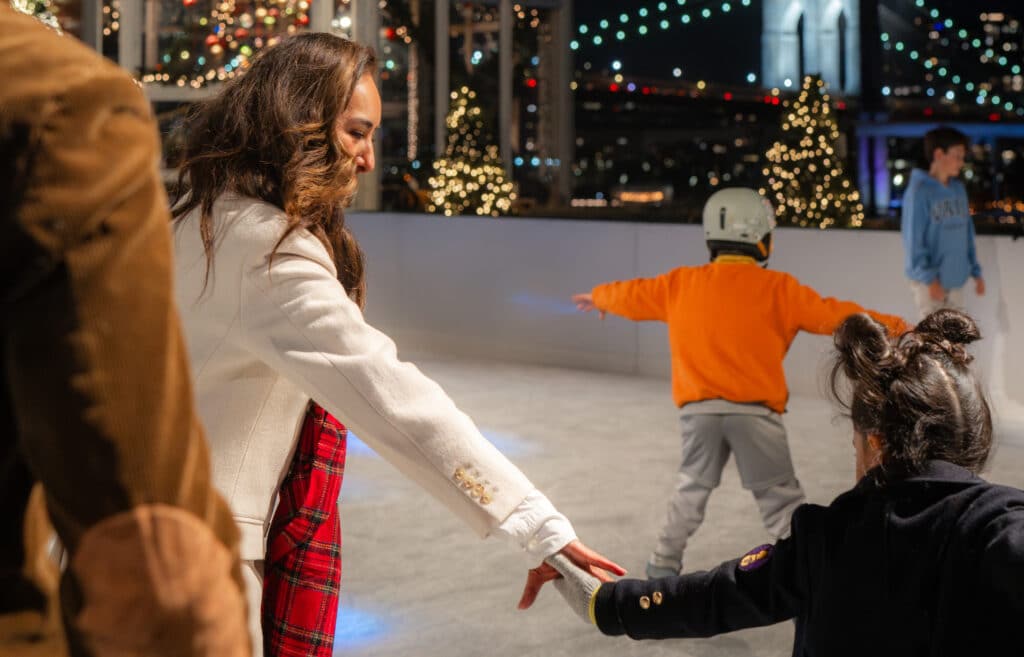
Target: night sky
725	48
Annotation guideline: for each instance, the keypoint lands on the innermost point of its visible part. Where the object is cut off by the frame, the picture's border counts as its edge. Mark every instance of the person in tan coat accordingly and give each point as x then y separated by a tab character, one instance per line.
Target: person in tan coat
95	394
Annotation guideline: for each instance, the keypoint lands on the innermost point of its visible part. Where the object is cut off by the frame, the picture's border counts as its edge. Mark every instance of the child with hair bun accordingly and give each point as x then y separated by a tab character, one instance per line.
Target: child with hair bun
921	557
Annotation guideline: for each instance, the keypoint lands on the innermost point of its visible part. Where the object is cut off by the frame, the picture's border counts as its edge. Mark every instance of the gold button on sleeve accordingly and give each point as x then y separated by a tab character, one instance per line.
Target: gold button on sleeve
657	597
645	602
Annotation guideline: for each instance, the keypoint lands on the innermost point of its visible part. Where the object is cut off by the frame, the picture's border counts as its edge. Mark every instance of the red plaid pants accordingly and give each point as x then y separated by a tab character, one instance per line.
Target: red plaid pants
302	578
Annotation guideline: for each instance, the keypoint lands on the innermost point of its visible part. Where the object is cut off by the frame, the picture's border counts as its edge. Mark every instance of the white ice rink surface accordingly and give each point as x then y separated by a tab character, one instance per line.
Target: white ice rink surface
604	448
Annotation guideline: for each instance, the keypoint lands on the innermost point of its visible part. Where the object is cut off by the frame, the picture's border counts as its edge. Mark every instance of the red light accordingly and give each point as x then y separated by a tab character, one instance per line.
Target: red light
775	100
841	105
390	34
645	91
613	87
993	116
531	83
727	95
767	100
928	111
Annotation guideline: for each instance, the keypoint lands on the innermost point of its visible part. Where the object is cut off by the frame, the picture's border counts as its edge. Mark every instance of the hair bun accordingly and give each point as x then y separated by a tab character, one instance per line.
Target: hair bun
951	325
864	350
947	331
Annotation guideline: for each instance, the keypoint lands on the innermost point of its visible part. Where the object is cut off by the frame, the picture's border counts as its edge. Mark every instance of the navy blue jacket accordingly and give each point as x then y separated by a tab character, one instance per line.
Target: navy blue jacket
931	565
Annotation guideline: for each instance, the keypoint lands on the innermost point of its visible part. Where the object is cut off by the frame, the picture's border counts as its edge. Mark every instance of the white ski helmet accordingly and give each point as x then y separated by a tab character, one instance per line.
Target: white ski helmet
739	220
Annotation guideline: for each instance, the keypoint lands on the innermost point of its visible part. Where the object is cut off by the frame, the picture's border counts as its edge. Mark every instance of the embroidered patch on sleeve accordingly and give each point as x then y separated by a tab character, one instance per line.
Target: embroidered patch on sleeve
756	558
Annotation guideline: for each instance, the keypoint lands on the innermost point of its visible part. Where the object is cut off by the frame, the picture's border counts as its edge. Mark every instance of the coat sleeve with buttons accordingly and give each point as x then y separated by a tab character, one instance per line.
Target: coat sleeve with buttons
750	591
298	319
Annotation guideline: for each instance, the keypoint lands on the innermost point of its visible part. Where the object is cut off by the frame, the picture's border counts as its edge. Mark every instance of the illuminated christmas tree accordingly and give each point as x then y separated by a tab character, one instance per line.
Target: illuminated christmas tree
469	179
805	175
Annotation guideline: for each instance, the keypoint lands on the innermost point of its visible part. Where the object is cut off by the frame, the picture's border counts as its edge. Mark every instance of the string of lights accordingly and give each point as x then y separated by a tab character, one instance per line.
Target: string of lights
237	29
235	34
413	106
983	93
805	174
47	12
646	21
111	17
987	56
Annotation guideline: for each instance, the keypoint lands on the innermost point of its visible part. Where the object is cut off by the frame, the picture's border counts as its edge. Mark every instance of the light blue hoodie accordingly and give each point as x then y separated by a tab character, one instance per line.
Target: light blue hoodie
938	232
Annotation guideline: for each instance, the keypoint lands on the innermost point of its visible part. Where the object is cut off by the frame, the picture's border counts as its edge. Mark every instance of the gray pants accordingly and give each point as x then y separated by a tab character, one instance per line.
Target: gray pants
765	467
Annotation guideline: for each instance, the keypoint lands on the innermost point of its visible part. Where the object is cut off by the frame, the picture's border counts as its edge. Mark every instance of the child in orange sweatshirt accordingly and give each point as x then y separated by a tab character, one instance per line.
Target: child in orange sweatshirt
730	324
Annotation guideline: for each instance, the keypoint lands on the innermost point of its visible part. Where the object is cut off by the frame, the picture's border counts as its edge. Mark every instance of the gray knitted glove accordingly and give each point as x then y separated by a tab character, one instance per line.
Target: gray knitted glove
578	587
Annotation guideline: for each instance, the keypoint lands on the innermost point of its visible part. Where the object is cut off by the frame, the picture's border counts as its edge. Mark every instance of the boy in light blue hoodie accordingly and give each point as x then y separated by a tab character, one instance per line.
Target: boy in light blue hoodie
938	232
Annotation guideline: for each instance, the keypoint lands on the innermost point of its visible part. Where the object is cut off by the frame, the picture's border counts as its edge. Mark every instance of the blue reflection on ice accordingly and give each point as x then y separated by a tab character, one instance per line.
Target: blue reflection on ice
356	628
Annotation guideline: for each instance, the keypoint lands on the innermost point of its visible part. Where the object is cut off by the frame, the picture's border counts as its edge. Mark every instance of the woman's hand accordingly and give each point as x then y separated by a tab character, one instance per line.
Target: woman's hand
578	553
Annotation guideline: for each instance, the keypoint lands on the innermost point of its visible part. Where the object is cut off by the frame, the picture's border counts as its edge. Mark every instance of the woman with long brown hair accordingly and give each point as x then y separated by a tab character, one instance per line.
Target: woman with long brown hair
270	284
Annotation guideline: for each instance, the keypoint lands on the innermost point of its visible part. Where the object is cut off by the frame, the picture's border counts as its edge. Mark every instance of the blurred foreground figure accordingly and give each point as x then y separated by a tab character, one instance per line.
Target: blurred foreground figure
95	399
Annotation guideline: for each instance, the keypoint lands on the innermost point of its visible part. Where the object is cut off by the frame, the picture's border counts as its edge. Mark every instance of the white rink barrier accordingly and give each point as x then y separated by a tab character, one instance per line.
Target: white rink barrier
499	289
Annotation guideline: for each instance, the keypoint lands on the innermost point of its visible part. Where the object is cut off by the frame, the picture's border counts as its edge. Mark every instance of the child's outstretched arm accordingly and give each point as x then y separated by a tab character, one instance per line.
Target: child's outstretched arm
811	312
637	299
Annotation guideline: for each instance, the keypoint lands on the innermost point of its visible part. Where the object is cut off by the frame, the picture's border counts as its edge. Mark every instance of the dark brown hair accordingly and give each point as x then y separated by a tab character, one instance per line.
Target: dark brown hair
915	392
943	138
270	134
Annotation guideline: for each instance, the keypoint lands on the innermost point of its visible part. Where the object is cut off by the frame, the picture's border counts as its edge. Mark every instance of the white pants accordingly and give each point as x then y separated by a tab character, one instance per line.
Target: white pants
926	305
764	463
252	575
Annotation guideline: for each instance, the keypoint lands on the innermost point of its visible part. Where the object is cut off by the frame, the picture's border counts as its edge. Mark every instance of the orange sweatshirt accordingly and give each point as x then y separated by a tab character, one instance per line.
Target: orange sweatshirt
730	324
